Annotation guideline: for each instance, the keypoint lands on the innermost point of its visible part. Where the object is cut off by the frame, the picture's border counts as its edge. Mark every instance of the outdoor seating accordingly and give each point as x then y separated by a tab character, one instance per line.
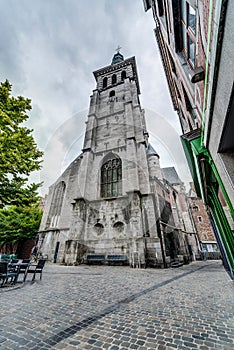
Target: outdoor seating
95	259
24	261
6	272
14	261
4	257
34	269
23	268
117	259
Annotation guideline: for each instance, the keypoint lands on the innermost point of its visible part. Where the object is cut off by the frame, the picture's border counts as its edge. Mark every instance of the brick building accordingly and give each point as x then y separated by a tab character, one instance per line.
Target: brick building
205	233
195	41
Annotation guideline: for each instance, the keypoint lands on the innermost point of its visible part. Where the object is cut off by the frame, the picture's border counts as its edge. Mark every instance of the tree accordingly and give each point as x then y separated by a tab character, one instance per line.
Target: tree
19	155
19	223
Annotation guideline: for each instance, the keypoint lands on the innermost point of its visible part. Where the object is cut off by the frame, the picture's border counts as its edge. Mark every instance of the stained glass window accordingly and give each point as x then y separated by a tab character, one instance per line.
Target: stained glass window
111	178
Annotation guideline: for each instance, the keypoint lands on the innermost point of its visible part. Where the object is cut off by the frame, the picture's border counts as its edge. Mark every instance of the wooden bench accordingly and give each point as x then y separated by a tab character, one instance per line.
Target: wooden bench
95	259
117	259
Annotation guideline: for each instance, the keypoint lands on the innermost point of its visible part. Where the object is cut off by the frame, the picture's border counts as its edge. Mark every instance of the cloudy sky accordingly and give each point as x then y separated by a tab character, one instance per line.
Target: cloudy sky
48	51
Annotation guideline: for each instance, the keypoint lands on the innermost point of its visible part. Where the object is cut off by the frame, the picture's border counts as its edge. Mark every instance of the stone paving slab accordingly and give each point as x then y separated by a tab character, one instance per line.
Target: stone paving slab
115	307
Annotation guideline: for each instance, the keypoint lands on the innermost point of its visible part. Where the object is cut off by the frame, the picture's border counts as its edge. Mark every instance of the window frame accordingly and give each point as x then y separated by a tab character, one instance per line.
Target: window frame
111	178
188	33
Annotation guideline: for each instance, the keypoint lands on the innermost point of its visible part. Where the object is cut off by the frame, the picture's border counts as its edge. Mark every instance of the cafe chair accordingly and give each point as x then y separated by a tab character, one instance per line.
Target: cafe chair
14	261
23	268
7	273
34	269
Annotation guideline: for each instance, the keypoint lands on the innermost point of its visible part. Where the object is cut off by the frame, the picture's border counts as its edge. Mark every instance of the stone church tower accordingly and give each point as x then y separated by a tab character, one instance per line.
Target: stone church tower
104	202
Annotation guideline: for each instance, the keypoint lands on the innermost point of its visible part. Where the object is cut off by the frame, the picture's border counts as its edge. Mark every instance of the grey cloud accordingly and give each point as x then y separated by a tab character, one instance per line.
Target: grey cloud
50	48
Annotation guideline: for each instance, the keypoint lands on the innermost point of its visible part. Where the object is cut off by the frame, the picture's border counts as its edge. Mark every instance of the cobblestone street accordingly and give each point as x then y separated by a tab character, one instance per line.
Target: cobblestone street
102	307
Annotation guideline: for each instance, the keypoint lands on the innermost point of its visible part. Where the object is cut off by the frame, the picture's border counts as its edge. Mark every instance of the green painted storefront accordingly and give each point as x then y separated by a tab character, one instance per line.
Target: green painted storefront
210	188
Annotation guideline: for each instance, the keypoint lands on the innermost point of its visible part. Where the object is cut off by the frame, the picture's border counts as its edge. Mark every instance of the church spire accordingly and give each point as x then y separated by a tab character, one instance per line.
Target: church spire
118	57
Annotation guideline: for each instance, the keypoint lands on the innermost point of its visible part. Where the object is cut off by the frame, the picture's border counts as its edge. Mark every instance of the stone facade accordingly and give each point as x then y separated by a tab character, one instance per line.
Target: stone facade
112	199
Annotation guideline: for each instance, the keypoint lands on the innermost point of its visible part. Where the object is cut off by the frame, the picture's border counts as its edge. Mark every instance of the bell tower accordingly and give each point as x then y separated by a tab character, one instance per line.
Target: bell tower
116	124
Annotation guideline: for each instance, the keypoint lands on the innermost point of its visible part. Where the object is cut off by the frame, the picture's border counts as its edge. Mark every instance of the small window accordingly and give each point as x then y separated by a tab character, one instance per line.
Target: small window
195	207
199	218
123	75
192	19
188	31
104	83
160	8
114	78
112	93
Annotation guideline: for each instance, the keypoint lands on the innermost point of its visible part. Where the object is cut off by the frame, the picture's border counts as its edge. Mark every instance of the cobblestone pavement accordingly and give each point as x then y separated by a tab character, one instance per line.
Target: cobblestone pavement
105	307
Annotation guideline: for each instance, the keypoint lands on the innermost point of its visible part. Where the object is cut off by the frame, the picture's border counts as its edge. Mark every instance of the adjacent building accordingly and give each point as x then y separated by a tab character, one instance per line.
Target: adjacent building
114	199
195	40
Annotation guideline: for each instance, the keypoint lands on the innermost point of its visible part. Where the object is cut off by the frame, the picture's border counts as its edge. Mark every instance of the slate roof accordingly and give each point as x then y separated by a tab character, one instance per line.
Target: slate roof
151	151
171	176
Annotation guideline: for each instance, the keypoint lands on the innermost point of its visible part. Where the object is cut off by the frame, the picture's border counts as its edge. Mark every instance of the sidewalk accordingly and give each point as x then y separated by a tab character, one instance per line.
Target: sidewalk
105	307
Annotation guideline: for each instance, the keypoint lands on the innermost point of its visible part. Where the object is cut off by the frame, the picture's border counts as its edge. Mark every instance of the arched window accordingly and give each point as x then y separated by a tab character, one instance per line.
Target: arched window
114	79
56	204
123	75
112	93
111	177
104	83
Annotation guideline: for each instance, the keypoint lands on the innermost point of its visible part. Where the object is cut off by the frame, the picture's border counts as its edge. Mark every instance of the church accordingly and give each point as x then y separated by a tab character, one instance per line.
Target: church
114	199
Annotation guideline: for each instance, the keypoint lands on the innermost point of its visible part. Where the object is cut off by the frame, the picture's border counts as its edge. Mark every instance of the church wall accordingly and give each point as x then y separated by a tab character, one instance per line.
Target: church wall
129	223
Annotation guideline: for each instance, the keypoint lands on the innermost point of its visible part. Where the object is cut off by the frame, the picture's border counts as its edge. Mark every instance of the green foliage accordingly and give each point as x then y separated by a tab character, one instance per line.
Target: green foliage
19	155
19	223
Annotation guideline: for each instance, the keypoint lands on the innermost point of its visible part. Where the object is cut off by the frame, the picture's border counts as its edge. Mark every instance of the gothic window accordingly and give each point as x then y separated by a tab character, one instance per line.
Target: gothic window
114	79
112	93
188	29
56	204
111	177
104	83
123	75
